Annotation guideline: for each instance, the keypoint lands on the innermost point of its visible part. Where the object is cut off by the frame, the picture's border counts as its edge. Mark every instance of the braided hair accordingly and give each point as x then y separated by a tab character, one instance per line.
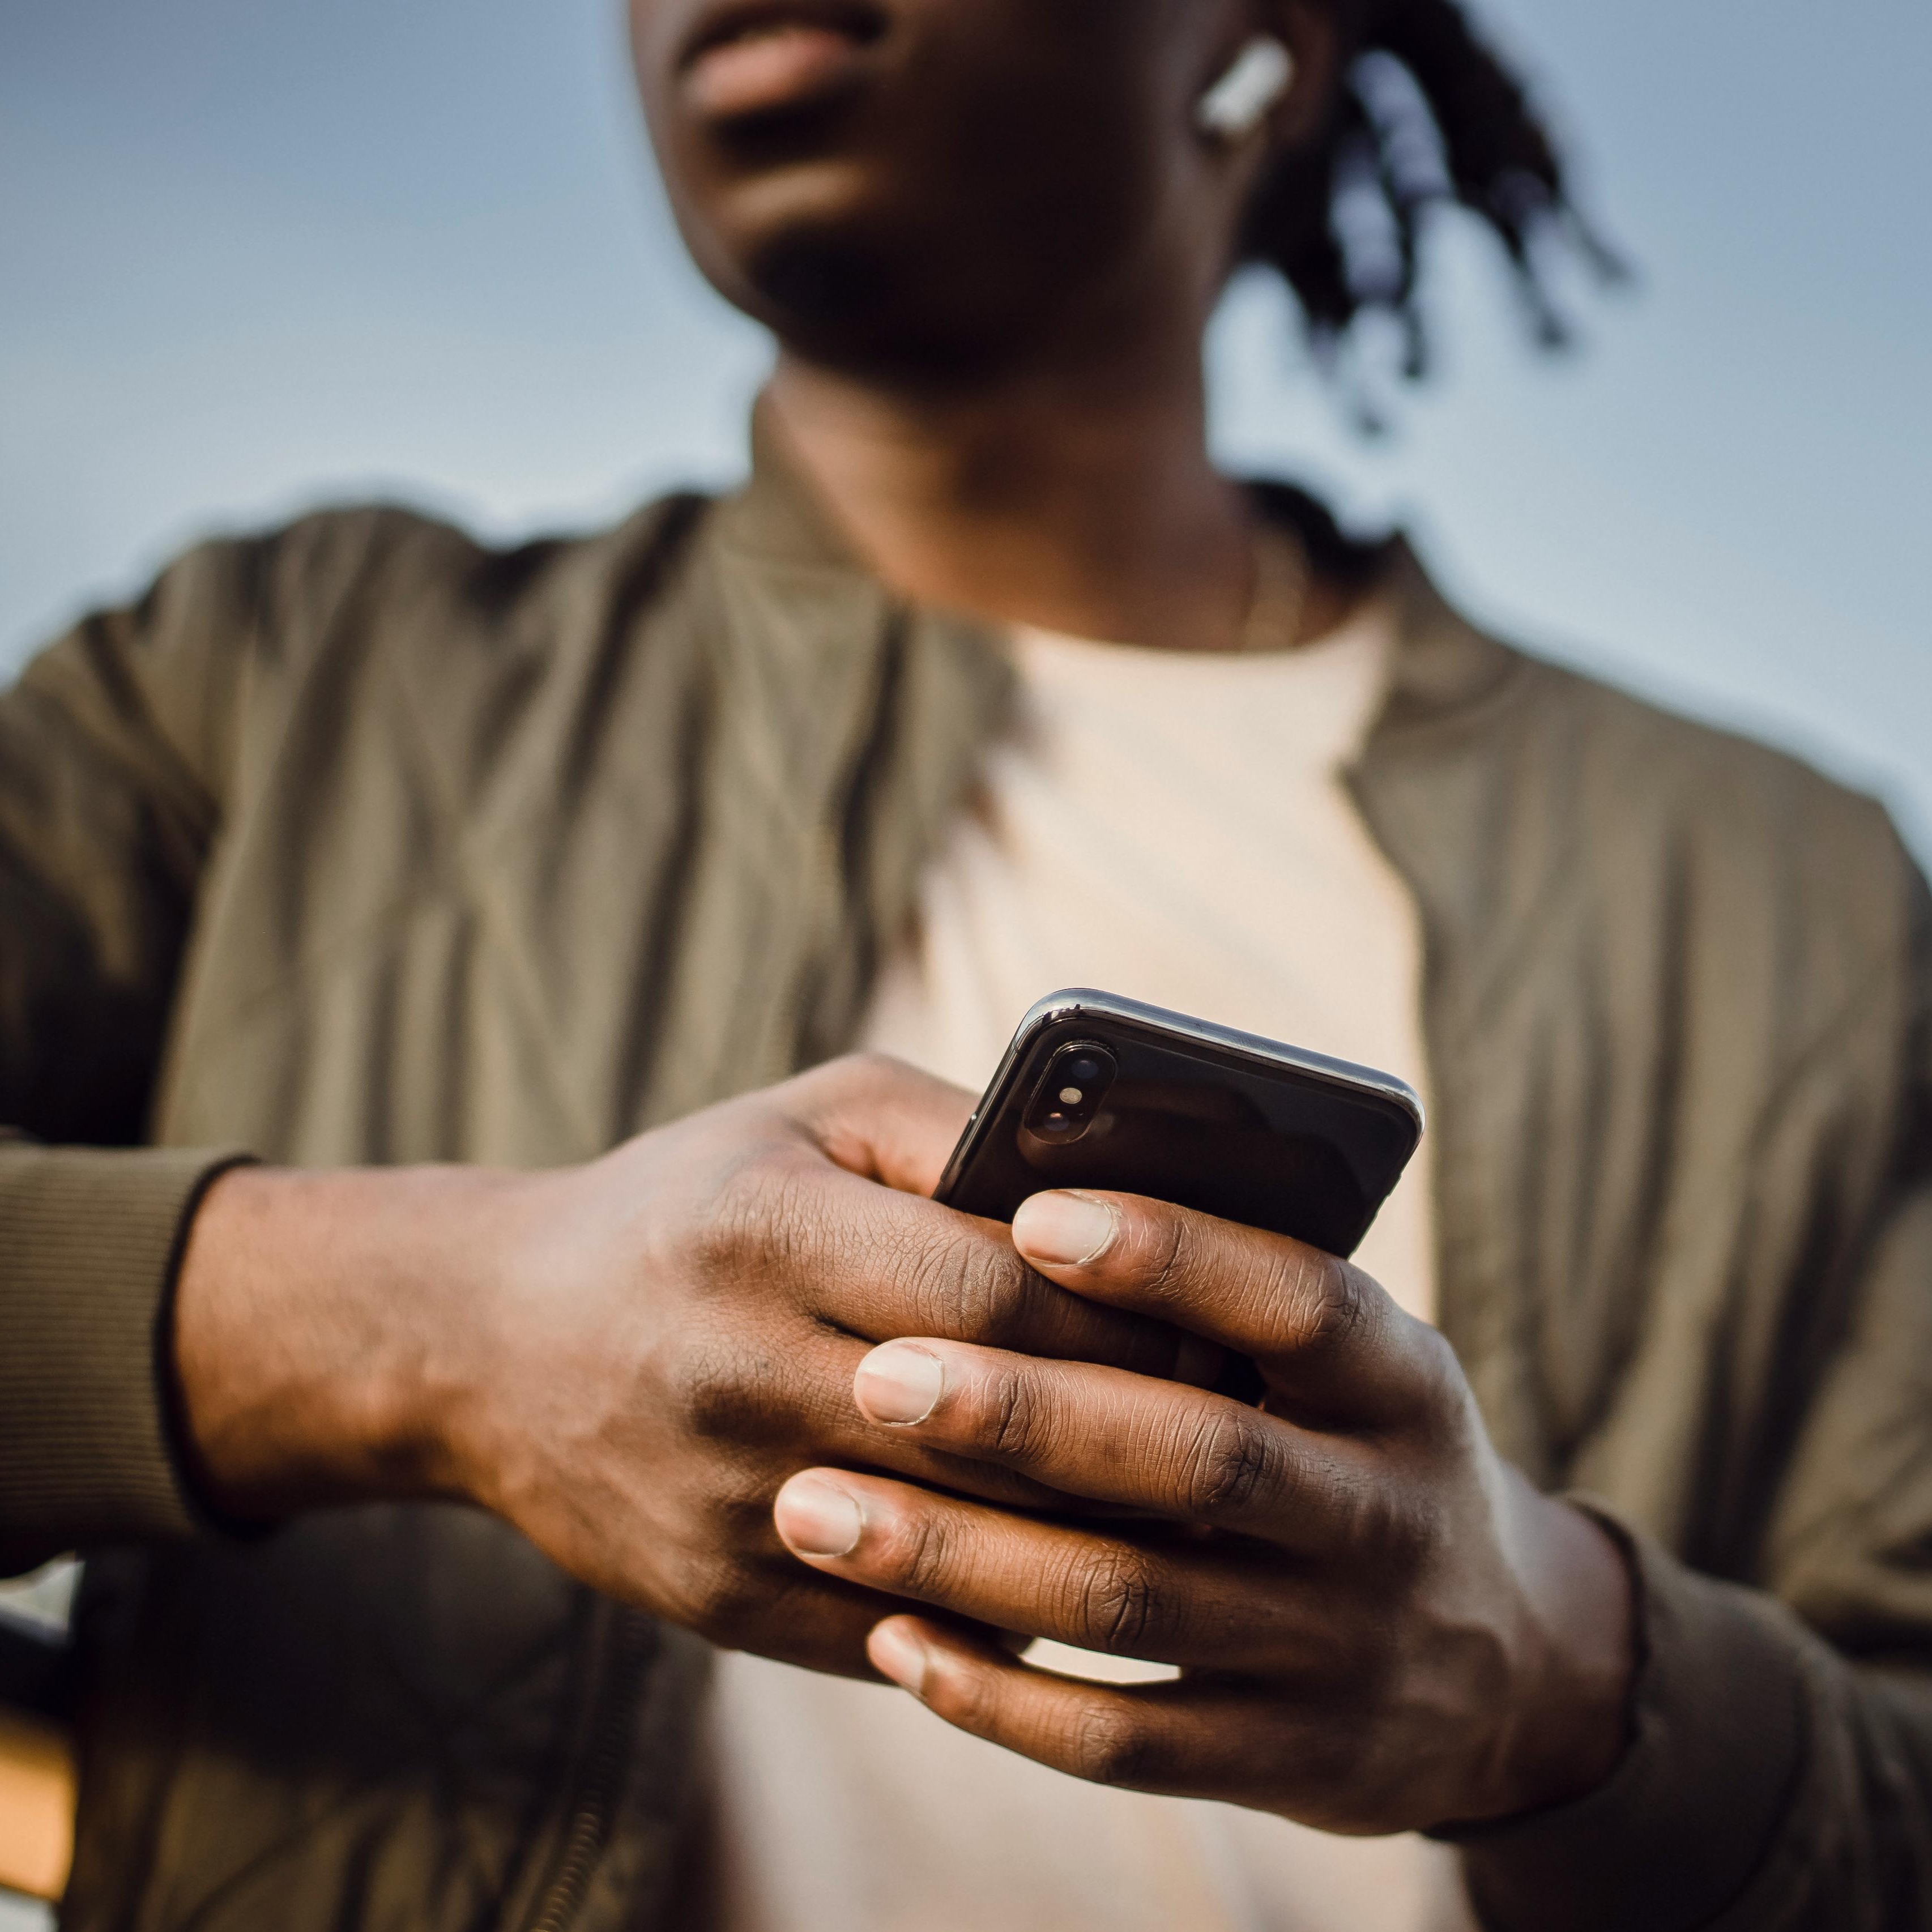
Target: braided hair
1431	115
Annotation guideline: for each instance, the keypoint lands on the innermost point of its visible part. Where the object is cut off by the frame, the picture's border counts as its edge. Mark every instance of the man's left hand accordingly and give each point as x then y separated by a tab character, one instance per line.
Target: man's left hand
1380	1624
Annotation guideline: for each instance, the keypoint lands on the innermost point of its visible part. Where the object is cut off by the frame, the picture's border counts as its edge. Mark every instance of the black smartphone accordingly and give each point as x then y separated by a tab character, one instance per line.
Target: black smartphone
1099	1091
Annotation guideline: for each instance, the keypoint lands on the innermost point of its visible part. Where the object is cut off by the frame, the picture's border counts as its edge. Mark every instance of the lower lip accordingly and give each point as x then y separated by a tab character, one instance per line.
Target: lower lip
770	71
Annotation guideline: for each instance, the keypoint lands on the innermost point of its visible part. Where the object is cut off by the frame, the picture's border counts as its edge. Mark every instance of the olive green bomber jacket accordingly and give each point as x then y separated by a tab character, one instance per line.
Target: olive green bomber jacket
361	842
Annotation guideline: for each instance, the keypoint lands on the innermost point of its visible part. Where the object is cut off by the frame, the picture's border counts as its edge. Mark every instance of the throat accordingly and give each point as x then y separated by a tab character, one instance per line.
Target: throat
1111	525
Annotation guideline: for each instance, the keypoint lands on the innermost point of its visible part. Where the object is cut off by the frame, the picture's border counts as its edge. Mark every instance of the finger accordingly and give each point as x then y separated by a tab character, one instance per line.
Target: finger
1211	1606
1324	1335
797	1404
879	1118
878	1263
776	1608
1102	1434
1182	1739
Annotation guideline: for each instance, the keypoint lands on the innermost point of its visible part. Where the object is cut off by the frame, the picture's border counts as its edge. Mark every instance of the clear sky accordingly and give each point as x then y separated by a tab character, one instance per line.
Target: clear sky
253	256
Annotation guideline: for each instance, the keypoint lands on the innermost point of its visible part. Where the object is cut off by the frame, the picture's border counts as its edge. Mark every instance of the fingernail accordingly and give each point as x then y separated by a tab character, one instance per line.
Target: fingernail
899	1385
897	1653
817	1518
1064	1230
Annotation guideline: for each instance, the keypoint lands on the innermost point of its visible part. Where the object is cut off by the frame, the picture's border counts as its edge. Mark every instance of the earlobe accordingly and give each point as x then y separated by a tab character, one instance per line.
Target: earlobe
1235	107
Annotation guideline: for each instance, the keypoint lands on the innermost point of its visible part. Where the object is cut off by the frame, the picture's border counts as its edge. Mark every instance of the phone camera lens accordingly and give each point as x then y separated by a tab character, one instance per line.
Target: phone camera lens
1069	1096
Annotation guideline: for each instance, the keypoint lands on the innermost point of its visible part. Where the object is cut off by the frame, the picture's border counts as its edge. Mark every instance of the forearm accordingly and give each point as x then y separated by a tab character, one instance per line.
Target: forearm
329	1331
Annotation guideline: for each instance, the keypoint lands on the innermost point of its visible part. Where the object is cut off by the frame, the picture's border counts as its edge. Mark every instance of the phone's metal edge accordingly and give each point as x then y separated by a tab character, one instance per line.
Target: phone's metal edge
990	1100
1072	1001
1077	1000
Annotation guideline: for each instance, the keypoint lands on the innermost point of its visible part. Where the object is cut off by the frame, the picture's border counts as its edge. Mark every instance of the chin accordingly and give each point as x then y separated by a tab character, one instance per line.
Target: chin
843	278
801	248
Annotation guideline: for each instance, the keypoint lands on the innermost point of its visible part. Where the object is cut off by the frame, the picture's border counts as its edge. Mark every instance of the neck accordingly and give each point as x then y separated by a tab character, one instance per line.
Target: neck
1082	501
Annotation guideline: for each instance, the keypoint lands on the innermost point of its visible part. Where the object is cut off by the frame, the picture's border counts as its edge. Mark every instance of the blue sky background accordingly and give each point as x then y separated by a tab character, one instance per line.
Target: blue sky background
254	256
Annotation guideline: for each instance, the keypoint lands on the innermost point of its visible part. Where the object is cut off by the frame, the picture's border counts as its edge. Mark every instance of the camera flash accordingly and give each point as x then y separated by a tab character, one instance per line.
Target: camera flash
1071	1095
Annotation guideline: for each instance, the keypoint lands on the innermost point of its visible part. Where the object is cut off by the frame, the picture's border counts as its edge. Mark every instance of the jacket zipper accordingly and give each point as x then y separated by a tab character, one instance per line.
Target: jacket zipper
618	1687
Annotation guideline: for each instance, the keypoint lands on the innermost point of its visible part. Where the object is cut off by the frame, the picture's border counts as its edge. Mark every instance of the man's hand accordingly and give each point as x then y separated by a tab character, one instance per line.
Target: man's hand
1381	1625
626	1359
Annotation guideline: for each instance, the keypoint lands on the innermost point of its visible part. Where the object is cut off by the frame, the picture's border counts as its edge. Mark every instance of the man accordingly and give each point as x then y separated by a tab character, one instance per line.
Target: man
357	848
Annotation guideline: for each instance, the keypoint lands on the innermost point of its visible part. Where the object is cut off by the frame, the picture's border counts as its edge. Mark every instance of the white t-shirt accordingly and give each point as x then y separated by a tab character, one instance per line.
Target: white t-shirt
1174	827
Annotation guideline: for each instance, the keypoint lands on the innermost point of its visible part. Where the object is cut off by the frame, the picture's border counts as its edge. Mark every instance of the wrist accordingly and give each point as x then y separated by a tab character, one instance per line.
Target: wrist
322	1346
1570	1722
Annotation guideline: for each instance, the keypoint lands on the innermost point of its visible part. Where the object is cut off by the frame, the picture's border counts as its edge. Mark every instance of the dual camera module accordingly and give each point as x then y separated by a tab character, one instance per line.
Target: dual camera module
1066	1102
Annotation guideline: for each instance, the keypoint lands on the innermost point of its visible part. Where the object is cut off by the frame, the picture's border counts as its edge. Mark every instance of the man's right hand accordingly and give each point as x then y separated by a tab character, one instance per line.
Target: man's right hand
627	1359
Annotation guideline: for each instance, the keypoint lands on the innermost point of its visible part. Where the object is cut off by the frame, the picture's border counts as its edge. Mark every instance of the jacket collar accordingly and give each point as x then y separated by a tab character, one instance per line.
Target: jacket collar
1445	669
777	517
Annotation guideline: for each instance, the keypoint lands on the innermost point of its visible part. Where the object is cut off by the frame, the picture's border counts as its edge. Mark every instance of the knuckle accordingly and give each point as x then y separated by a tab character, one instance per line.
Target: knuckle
1010	1431
711	1396
1116	1603
1320	1297
1446	1392
1231	1466
739	1504
1345	1307
969	1698
721	1597
1439	1355
1394	1534
946	1288
712	1247
915	1554
1164	1257
751	1223
1419	1535
1109	1745
999	1301
1330	1759
961	1288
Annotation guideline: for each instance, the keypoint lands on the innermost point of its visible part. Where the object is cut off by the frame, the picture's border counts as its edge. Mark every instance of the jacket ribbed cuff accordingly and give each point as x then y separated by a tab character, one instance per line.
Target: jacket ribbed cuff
90	1242
1692	1810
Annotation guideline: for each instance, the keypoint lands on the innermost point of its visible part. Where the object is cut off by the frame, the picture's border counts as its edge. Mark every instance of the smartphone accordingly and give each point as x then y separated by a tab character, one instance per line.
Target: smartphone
1102	1092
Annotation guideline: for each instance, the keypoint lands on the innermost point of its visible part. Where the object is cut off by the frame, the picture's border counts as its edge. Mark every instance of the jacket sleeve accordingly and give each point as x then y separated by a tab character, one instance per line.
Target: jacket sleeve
1779	1776
116	746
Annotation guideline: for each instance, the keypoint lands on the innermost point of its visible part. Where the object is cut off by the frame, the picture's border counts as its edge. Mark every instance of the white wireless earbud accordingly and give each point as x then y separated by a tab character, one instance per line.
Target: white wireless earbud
1238	103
